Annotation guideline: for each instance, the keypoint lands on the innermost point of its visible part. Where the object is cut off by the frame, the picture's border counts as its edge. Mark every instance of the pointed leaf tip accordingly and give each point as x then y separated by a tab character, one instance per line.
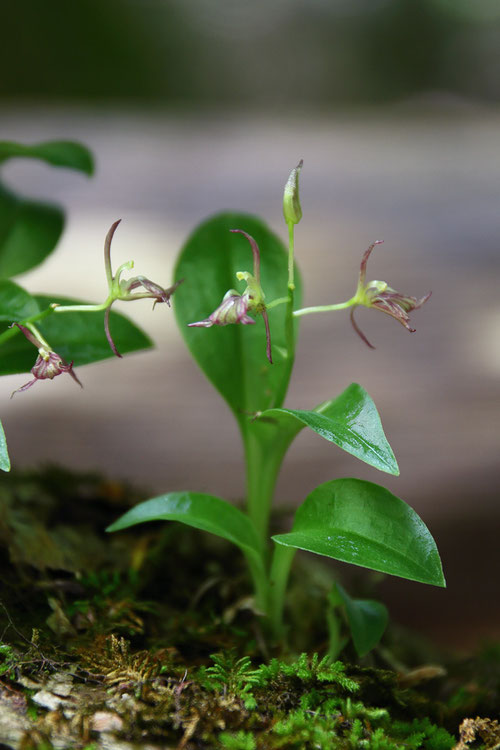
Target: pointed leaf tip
351	421
361	523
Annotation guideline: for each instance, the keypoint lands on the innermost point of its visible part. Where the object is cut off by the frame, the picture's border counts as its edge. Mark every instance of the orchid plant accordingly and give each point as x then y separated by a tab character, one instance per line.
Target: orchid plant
245	345
248	355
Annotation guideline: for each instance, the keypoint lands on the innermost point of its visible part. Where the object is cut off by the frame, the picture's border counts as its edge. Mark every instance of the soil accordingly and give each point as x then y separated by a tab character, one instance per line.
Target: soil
148	639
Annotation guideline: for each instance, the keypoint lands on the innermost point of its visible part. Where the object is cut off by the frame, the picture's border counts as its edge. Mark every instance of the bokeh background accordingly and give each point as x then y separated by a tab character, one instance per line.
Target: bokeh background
195	106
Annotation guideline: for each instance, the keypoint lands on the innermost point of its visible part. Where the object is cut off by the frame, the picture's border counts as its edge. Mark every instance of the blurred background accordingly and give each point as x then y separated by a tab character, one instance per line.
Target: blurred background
195	106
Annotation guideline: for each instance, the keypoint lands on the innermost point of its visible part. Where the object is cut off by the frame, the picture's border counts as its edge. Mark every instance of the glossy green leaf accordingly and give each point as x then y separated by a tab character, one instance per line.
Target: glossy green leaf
29	231
15	303
76	336
351	421
364	524
57	153
205	512
367	620
4	455
233	357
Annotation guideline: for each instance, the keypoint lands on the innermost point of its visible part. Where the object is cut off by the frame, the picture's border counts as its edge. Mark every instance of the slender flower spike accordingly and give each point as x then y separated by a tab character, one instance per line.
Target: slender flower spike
379	295
48	364
235	307
125	289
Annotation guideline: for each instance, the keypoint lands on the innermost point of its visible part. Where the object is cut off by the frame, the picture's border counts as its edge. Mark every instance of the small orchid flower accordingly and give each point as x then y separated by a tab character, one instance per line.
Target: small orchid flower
48	364
124	289
234	307
382	297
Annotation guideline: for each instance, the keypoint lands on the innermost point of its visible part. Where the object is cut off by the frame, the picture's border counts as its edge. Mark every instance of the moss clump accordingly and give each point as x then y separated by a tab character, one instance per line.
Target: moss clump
105	642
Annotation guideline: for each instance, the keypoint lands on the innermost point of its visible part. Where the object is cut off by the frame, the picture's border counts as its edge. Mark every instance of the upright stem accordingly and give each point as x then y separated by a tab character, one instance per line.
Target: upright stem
263	464
264	453
260	582
280	569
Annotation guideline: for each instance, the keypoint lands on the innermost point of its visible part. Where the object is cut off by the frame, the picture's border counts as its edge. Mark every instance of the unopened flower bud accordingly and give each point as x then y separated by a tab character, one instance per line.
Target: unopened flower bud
292	210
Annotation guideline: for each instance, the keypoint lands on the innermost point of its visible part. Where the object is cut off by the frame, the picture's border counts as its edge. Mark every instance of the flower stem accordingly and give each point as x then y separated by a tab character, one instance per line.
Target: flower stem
291	262
82	308
34	330
325	308
276	302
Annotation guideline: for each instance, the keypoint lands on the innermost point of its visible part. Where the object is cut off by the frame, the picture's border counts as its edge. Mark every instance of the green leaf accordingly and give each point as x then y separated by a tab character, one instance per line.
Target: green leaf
29	231
364	524
15	303
233	357
351	421
4	456
58	153
205	512
76	336
367	620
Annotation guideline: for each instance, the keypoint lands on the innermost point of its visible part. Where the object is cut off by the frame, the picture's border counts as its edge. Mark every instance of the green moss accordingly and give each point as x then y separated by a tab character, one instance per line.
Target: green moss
172	663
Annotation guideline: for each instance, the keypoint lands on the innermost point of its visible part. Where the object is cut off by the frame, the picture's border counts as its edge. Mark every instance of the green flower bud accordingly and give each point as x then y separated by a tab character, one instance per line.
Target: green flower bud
291	202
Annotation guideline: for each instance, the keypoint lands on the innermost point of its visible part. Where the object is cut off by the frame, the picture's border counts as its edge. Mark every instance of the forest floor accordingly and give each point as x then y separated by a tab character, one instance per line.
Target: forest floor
148	639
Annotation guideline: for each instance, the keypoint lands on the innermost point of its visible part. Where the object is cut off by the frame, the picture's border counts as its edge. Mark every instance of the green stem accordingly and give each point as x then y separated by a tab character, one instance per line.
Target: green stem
289	322
10	332
291	283
280	570
260	581
276	302
55	308
263	463
34	330
83	308
325	308
335	642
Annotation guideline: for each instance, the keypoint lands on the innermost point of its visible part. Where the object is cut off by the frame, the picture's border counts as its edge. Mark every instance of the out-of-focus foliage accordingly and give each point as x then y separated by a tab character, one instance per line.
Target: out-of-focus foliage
300	51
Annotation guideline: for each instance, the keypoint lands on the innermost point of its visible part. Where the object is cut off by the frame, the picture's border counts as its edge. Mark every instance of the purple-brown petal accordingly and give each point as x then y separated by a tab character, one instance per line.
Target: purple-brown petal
364	261
23	387
108	332
255	252
29	335
358	330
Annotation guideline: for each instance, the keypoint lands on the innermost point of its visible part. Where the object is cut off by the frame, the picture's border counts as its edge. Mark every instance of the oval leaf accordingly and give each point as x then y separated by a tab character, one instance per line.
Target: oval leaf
4	456
364	524
233	357
57	153
367	621
77	337
29	231
15	303
351	421
205	512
